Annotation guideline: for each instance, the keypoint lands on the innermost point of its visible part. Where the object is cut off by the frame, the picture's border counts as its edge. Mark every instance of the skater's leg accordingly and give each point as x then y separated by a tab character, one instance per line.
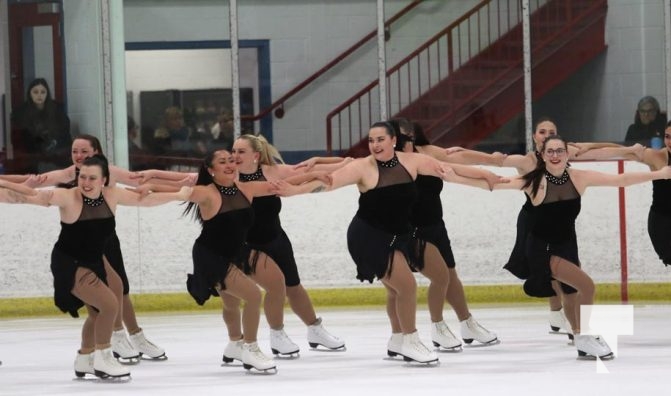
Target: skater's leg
270	278
300	303
436	271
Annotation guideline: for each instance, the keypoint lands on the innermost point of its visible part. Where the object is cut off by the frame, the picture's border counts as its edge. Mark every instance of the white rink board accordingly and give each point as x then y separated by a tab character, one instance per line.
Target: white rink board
157	242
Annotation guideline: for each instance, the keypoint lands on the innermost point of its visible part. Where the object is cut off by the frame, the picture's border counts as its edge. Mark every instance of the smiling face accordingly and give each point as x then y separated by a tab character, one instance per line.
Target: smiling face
381	143
555	155
81	150
223	168
245	156
543	130
667	138
91	181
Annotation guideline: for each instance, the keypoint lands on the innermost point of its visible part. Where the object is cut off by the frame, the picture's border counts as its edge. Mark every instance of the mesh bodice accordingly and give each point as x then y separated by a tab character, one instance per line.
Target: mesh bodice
266	226
85	238
427	210
387	206
226	232
554	219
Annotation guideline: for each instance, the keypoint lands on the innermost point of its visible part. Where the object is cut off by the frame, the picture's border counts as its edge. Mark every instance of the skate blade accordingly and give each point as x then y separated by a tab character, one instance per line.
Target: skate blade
585	356
449	350
251	370
109	378
285	356
482	344
415	363
128	361
559	332
324	348
153	359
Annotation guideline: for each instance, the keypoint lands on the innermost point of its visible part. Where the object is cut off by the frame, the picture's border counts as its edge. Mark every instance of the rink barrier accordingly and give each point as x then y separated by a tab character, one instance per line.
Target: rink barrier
355	297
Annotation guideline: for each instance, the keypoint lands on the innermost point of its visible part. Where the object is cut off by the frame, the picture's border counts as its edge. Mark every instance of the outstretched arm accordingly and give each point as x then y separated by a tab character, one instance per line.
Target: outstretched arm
464	157
587	178
129	198
472	172
604	151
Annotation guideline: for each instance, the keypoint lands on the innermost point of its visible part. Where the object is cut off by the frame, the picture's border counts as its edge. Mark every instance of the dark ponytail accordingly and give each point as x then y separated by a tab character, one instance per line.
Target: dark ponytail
204	179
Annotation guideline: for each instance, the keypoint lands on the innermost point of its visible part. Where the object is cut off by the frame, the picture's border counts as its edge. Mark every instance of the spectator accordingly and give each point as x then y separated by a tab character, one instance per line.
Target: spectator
41	131
173	136
649	123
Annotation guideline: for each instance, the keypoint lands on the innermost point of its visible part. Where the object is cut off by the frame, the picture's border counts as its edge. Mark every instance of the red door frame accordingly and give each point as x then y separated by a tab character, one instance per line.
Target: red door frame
23	15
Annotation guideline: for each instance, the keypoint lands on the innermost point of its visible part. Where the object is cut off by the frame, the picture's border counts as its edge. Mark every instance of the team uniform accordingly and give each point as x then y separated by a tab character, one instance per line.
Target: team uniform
429	227
81	244
267	236
381	225
552	234
659	218
219	245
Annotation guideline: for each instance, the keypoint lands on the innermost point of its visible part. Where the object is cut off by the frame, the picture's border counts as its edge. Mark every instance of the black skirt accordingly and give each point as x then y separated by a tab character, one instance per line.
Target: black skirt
539	252
282	253
659	230
209	272
373	250
63	268
435	235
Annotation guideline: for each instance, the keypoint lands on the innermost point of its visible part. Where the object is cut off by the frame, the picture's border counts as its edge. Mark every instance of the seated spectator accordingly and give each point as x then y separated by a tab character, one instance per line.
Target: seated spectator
649	122
222	131
173	137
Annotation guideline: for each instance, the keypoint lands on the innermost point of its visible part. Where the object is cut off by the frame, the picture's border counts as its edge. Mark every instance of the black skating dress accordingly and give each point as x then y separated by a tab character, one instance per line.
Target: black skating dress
552	234
517	263
381	225
220	244
81	244
659	218
267	235
112	248
427	220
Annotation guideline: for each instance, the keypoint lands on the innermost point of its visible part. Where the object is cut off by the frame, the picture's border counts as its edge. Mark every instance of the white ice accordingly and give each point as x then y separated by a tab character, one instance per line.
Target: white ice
37	359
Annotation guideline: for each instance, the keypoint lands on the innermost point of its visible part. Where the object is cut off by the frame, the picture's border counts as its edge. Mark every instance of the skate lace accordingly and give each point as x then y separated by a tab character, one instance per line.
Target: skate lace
320	331
444	330
476	327
257	353
601	342
419	346
282	337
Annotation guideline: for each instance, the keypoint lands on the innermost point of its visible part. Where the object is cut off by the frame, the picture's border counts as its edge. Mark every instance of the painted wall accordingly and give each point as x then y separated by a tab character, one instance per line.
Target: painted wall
304	35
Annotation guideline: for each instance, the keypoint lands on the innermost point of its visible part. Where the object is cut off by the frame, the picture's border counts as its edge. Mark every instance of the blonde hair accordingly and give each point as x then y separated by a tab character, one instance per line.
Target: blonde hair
268	154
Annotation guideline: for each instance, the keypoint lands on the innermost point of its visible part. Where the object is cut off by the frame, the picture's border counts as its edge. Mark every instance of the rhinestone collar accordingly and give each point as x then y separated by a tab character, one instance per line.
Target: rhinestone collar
245	177
232	190
93	202
388	164
557	180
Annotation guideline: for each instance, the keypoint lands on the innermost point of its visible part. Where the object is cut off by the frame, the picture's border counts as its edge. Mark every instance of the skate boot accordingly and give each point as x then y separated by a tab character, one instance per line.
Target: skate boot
106	366
252	357
281	344
442	337
559	324
472	330
123	350
84	364
317	335
592	346
147	348
233	351
394	344
413	350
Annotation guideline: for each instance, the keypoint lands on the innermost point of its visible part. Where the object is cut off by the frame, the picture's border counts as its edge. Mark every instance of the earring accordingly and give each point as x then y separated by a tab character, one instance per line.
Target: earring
254	161
394	146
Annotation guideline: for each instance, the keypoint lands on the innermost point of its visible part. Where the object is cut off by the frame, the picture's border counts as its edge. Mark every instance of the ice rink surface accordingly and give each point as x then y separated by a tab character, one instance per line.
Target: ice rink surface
37	359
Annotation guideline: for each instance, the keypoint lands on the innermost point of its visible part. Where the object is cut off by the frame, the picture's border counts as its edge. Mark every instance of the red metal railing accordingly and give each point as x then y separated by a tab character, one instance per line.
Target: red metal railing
278	104
452	50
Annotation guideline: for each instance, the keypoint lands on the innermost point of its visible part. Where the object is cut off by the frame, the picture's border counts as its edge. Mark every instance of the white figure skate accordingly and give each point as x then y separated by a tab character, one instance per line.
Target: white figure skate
317	335
442	337
281	344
